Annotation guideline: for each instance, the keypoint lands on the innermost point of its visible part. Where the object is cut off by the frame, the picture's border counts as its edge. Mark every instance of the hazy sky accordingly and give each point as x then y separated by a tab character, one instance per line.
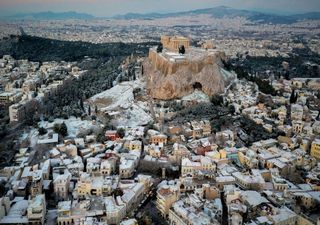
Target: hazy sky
113	7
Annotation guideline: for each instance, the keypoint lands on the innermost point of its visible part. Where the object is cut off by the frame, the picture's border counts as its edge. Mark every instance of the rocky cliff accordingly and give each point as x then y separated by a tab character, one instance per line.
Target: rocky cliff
209	77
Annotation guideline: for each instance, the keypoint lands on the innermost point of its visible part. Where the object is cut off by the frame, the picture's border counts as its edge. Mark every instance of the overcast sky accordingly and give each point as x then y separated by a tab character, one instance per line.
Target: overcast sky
114	7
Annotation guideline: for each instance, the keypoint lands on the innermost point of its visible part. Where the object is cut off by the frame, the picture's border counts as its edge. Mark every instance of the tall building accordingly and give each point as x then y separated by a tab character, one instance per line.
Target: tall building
166	196
61	186
315	149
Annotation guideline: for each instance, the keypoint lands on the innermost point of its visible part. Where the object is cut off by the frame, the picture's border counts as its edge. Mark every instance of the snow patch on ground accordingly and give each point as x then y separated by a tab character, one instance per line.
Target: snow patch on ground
119	96
198	96
74	125
227	75
120	103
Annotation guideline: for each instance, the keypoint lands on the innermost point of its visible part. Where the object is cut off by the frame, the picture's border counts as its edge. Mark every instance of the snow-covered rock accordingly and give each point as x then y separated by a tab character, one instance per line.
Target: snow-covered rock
119	103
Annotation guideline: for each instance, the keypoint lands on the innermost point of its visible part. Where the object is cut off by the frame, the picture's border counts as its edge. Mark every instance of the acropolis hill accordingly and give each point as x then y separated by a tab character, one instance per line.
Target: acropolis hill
173	75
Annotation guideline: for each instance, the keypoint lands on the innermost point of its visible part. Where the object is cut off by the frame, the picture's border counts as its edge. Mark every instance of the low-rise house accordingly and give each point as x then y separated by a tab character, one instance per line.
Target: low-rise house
179	152
36	183
128	163
226	135
146	180
61	186
248	181
111	135
73	212
64	213
189	211
133	145
115	210
197	165
158	139
296	112
37	210
94	186
154	150
198	129
283	215
126	168
133	196
129	222
107	167
15	211
297	126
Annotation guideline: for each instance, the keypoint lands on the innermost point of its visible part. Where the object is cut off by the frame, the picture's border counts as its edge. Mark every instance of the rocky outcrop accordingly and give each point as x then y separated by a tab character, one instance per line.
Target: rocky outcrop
184	80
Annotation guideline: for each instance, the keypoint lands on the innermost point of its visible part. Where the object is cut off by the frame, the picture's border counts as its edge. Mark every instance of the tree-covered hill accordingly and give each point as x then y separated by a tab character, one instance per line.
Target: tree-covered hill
43	49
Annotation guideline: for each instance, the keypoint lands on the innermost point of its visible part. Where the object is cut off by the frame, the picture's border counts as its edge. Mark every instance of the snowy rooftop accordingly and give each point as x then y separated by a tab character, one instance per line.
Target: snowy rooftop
253	198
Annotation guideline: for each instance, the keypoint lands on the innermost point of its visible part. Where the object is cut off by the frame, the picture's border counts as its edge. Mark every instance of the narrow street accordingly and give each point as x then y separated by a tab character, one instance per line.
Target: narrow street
224	219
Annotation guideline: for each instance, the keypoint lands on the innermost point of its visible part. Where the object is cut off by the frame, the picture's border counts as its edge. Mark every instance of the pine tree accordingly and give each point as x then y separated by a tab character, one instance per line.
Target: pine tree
182	50
293	97
63	129
160	48
89	110
81	104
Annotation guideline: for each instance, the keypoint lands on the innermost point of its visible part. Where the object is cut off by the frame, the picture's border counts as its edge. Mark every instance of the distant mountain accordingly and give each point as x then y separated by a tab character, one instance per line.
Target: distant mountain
52	16
223	11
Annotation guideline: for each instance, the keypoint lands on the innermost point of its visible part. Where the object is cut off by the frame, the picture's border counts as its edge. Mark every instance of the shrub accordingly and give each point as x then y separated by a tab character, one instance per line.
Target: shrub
42	131
121	132
61	129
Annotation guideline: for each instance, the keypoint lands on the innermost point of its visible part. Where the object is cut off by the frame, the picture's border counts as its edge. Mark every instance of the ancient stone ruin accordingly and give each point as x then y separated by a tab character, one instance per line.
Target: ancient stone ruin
172	75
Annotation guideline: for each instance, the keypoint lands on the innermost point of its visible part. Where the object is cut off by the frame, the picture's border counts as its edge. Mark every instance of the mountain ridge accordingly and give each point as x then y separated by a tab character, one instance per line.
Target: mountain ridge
223	11
215	12
49	15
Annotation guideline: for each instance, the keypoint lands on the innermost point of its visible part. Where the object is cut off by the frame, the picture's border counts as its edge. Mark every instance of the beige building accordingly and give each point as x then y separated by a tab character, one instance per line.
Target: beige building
315	149
166	196
297	126
279	183
126	168
107	167
61	186
296	112
64	213
202	163
283	216
19	111
133	145
16	112
159	139
200	129
115	210
146	180
133	196
93	186
249	181
9	97
37	210
36	182
179	152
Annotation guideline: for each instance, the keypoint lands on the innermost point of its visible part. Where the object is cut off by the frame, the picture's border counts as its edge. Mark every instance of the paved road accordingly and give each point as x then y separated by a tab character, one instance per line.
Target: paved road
151	210
148	207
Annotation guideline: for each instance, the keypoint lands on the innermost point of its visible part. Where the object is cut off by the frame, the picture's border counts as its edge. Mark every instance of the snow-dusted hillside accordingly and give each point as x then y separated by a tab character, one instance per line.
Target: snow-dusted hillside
120	103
